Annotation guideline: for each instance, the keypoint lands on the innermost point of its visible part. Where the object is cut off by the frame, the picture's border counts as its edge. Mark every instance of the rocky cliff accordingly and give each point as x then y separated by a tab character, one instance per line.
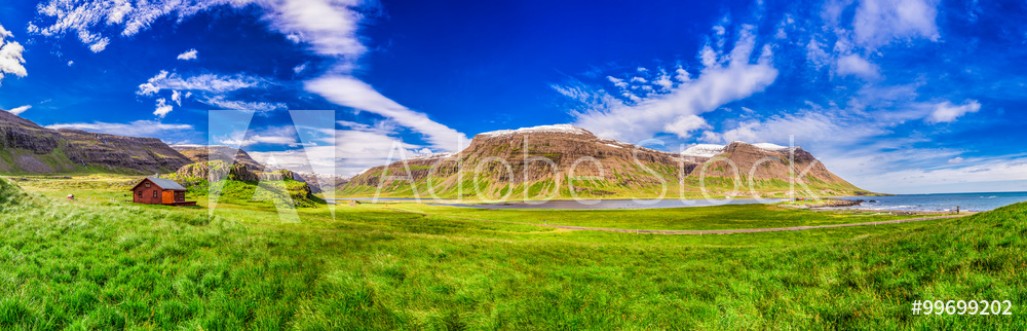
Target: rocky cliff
561	159
199	153
112	152
26	147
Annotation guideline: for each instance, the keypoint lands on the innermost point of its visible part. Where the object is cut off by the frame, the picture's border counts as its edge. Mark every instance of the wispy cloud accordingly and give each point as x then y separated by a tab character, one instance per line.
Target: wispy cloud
878	22
356	150
189	55
861	144
875	23
853	64
86	19
260	107
351	92
280	135
639	112
19	110
328	28
135	129
946	112
213	83
211	86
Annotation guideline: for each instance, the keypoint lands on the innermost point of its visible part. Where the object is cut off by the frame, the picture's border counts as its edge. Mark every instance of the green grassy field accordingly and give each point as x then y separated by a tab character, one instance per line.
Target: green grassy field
101	263
691	188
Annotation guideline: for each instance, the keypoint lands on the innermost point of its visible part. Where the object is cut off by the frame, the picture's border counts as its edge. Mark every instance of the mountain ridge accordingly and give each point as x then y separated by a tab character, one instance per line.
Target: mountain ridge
27	148
552	159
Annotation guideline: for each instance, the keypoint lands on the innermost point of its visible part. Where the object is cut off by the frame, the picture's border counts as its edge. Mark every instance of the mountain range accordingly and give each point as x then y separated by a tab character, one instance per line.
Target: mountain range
27	148
561	161
539	162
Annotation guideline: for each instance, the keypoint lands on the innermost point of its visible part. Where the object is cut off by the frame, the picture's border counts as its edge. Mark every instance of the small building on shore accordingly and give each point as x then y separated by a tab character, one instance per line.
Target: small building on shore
159	191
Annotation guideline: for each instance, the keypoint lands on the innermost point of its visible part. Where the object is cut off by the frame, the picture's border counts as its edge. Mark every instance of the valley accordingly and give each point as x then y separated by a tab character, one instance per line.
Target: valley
111	264
264	250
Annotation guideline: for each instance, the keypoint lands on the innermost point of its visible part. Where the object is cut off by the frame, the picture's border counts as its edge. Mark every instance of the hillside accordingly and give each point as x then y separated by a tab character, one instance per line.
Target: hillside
27	148
200	153
609	168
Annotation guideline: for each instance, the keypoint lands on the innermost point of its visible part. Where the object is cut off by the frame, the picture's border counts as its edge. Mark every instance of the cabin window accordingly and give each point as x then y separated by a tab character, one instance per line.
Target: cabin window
140	194
147	185
155	194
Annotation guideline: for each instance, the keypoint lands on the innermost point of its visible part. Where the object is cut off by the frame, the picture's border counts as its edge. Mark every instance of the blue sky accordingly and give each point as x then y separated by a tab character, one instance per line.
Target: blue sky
896	96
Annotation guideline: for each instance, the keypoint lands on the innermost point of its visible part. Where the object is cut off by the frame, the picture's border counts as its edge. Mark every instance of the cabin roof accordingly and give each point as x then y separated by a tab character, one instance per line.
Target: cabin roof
163	183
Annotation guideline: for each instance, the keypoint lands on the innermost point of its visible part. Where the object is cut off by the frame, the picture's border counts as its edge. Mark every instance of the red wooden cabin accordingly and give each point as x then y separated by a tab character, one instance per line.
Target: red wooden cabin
157	191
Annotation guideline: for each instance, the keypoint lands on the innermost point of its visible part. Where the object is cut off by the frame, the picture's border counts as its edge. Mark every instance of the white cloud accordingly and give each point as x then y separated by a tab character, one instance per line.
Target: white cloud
282	135
329	26
19	110
982	175
206	82
860	144
858	66
134	129
684	125
71	63
211	88
878	22
356	151
816	55
946	112
163	108
350	92
99	45
381	127
11	60
620	83
874	23
726	78
260	107
188	55
682	75
85	18
176	96
664	81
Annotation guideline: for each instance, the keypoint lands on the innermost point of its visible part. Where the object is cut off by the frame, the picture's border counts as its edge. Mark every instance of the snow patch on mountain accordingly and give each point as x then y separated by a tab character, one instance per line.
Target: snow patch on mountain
703	150
711	150
771	147
557	128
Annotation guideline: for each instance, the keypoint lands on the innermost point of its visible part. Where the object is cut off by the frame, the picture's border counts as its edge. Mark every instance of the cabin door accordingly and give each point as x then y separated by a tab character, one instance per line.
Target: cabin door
168	197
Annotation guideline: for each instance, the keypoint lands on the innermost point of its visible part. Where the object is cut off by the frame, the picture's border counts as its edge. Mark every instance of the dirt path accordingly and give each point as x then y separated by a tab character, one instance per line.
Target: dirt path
734	231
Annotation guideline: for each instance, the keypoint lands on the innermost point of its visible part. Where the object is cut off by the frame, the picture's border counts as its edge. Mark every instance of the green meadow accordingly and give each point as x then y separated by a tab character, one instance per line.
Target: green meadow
100	262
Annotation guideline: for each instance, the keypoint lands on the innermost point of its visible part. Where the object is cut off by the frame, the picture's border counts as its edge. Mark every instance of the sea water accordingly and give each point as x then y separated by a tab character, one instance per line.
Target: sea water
941	201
